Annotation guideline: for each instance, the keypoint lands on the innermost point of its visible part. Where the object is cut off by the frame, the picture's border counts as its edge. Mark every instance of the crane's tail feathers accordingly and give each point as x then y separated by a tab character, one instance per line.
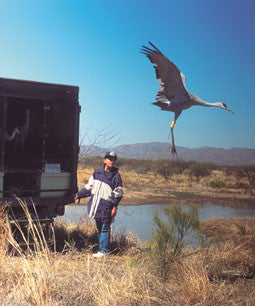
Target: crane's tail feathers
161	105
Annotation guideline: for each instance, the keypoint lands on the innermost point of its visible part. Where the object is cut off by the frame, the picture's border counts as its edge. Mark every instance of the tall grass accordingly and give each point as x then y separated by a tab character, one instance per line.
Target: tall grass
30	231
4	229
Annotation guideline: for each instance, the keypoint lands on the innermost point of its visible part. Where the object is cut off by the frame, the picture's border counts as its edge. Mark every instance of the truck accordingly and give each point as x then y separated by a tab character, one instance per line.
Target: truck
39	147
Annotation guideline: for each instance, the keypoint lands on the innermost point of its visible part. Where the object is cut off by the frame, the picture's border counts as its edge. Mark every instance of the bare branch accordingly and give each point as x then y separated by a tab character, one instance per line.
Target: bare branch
104	138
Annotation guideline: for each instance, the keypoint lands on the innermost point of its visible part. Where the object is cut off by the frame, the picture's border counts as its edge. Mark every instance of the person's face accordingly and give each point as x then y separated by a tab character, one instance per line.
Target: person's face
109	163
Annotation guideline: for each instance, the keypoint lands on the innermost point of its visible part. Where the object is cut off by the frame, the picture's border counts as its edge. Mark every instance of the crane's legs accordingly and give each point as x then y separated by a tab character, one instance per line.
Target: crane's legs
172	134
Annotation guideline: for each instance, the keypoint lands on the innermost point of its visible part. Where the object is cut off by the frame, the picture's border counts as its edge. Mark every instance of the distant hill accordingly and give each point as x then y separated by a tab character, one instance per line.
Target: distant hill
162	150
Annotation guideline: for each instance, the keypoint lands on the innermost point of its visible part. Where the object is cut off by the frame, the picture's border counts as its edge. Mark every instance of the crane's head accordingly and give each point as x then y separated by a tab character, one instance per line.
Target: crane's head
224	106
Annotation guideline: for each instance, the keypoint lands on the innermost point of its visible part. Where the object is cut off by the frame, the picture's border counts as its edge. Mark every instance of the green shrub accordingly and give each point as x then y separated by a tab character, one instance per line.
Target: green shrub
171	237
217	184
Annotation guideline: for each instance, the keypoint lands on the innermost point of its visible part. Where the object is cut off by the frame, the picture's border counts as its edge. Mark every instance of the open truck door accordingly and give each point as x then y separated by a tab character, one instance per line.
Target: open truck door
39	132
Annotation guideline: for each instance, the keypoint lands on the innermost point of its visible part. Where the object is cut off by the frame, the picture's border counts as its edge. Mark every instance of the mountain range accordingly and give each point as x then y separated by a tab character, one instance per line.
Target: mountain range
162	150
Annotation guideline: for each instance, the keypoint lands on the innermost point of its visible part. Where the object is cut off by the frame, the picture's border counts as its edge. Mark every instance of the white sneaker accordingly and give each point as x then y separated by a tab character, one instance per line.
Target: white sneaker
99	254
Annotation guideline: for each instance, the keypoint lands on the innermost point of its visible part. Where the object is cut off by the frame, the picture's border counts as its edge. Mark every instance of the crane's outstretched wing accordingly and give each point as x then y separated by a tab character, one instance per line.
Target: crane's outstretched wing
170	78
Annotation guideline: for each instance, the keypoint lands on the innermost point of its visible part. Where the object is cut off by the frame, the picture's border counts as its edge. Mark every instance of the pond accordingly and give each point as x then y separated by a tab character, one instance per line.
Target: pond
139	218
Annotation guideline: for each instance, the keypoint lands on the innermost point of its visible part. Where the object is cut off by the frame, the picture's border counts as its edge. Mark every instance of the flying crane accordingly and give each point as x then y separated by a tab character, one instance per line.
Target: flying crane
172	95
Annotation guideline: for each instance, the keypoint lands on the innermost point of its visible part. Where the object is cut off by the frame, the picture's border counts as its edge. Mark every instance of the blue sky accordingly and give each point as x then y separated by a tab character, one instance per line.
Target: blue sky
96	45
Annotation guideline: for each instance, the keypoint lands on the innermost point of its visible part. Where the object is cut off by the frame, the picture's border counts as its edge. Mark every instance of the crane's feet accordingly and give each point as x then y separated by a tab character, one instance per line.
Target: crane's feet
173	150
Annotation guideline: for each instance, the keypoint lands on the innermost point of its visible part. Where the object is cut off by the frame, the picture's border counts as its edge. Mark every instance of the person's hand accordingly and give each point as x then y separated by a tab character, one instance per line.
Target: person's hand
76	196
114	211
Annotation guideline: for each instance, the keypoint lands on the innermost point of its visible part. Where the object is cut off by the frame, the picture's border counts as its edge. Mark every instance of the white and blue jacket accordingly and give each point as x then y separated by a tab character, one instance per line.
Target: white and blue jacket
105	189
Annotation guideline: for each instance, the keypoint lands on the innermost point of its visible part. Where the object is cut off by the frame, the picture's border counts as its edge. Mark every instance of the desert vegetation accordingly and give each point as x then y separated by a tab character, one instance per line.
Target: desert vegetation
220	271
152	181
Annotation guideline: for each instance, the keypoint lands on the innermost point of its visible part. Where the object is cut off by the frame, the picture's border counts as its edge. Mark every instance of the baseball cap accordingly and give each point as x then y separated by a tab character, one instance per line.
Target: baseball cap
111	155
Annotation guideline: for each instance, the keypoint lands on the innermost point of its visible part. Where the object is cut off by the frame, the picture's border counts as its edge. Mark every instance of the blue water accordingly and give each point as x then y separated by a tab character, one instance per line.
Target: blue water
139	218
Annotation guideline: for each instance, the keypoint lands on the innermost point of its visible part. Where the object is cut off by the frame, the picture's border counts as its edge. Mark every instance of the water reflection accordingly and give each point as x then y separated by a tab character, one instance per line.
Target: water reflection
139	219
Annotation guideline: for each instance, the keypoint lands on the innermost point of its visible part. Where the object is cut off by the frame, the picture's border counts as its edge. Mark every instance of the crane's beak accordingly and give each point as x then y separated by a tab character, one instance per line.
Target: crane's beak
224	106
230	111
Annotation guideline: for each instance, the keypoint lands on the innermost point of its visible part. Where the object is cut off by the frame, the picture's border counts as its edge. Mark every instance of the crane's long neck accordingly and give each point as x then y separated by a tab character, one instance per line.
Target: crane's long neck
195	100
27	122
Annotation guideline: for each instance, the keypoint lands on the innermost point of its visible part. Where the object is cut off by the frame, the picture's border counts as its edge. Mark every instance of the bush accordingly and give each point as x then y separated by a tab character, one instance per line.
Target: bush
199	170
217	184
169	239
246	172
180	165
142	170
93	161
164	168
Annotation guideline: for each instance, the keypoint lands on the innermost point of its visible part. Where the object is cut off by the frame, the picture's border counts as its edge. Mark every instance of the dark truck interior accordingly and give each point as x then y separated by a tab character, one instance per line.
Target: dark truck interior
45	137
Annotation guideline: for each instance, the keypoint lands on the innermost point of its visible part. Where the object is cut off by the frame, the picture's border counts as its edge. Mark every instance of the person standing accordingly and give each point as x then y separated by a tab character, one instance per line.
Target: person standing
105	190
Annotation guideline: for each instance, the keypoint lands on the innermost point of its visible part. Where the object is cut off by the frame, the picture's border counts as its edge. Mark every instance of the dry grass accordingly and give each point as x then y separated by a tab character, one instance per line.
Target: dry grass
37	275
234	252
3	230
221	273
192	285
146	186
